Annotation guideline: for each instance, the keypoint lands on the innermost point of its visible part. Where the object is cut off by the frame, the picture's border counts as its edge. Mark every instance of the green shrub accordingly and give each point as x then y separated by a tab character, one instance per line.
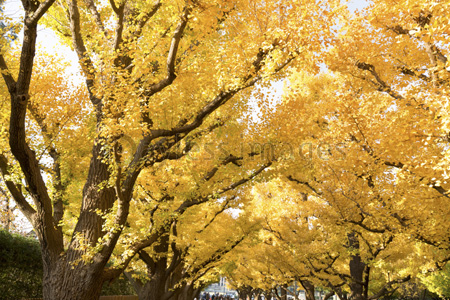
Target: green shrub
20	267
21	270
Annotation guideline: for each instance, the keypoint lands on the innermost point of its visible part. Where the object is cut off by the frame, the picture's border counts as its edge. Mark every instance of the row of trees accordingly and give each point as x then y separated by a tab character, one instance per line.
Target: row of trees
361	197
154	164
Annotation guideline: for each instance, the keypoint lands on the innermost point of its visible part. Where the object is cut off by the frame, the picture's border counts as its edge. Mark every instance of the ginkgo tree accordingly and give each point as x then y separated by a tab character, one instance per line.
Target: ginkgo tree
370	138
183	260
304	239
156	73
189	220
391	114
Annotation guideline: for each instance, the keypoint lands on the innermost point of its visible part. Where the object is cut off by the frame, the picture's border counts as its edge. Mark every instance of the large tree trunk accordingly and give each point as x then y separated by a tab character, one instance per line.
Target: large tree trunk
197	292
68	276
188	292
62	281
154	289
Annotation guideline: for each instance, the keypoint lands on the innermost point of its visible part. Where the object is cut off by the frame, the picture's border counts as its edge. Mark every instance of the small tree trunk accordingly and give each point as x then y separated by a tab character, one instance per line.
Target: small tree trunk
357	267
309	289
243	294
283	292
8	215
328	295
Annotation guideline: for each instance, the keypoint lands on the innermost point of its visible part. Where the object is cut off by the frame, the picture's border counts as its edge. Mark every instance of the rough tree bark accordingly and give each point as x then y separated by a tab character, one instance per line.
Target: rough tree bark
155	287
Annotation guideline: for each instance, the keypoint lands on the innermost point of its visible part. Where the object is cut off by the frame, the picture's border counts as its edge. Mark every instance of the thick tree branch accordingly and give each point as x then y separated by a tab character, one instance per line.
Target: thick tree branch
380	85
18	197
218	101
7	77
177	254
434	54
160	150
152	238
42	9
114	6
124	60
121	215
85	61
93	9
147	259
196	201
171	57
216	256
119	26
361	224
58	208
110	273
222	97
436	57
407	71
223	207
440	244
429	183
26	61
135	282
229	159
399	165
305	183
143	148
29	164
147	17
243	180
185	128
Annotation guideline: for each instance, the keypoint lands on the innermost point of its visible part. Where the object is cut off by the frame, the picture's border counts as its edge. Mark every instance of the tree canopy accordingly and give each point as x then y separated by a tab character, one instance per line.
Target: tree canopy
89	163
163	154
364	146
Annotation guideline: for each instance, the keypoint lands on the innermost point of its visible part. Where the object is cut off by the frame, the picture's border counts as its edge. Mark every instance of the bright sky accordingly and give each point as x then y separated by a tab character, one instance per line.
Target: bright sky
46	38
357	4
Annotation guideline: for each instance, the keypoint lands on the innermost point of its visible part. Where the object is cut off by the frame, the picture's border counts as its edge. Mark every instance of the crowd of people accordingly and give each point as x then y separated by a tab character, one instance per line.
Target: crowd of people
208	296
